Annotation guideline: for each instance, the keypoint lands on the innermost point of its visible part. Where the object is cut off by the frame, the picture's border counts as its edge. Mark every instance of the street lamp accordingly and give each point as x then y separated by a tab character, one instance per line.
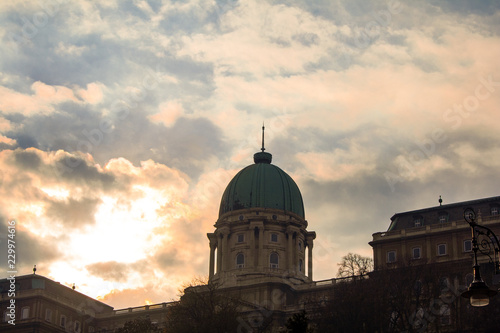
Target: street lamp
478	292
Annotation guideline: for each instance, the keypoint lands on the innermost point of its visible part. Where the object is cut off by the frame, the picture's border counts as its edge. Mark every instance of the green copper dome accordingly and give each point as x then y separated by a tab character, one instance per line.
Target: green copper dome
262	185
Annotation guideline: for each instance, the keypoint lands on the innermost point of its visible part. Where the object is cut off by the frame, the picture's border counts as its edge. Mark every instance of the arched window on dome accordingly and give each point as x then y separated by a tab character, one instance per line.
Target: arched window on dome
240	260
273	260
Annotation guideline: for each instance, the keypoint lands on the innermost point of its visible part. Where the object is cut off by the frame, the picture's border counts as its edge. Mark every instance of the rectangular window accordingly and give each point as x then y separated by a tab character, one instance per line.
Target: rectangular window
417	222
241	238
273	260
416	253
25	312
494	210
62	321
240	260
48	315
443	218
441	249
77	327
467	245
391	256
274	238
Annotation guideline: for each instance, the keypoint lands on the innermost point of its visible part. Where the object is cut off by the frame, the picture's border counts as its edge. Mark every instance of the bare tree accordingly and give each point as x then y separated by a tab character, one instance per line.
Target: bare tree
354	264
298	323
203	309
141	325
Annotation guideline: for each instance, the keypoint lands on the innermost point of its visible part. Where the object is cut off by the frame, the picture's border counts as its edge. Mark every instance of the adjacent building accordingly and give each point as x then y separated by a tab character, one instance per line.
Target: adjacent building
433	235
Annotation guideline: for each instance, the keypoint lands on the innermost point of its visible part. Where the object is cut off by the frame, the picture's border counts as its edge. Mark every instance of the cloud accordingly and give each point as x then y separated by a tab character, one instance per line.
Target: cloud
109	271
27	159
73	213
93	94
169	113
30	248
121	123
139	296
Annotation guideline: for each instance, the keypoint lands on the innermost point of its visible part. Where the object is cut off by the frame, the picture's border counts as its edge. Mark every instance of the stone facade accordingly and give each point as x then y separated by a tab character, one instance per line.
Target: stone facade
433	235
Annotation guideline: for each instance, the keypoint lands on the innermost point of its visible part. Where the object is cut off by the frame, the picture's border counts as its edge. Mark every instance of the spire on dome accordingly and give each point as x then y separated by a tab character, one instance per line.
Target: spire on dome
263	128
262	157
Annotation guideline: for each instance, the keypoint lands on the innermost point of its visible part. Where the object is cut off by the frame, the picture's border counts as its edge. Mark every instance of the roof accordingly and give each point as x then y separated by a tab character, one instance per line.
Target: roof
51	289
262	185
452	212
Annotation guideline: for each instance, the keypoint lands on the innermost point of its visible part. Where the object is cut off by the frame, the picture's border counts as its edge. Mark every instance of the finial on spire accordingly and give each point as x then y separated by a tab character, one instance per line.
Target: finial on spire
440	201
263	128
262	156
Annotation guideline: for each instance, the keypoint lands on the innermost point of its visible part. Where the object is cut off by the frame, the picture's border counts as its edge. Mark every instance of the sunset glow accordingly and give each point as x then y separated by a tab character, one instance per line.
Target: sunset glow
122	123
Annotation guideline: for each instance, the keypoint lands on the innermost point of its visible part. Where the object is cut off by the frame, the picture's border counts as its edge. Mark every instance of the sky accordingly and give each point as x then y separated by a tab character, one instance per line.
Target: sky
121	123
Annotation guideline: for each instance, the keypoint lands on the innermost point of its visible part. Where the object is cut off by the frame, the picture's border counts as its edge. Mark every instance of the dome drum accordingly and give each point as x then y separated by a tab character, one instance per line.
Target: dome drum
261	214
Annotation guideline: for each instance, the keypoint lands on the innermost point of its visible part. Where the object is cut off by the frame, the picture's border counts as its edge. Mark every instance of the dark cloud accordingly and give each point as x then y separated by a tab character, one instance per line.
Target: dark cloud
464	7
4	146
25	141
134	137
75	169
110	270
167	259
307	39
91	57
195	18
63	130
27	160
73	213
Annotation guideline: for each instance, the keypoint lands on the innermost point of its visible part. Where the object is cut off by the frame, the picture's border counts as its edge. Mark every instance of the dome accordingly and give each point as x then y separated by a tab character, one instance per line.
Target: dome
262	185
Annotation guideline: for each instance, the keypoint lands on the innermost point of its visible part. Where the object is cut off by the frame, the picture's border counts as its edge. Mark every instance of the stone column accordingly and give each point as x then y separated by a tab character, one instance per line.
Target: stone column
212	261
310	260
225	250
219	253
261	247
289	250
297	254
212	238
252	259
310	236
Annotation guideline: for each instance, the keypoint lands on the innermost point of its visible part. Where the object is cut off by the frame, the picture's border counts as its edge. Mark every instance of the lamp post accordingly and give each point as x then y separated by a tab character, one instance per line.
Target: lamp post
478	292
